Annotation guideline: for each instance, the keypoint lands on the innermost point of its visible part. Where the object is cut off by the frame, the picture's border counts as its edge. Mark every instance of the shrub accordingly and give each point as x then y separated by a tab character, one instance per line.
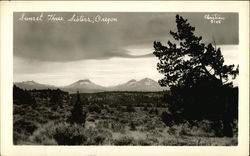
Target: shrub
59	133
94	108
125	140
19	137
99	140
27	127
145	108
103	124
132	126
172	130
185	129
69	135
154	111
91	119
130	108
117	127
143	142
152	140
167	119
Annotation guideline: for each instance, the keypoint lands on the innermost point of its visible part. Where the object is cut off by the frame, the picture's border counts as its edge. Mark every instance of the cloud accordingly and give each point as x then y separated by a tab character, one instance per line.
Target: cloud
65	41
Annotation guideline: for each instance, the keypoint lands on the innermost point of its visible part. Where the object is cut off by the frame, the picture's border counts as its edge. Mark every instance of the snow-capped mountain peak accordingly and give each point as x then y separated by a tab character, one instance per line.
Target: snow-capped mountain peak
148	82
84	86
145	84
84	82
131	82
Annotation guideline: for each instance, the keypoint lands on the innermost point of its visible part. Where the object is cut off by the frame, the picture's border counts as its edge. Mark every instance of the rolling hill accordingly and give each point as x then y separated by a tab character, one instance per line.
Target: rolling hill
29	85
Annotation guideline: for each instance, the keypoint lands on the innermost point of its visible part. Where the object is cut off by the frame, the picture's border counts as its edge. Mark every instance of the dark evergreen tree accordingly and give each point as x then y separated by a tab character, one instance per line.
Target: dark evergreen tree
197	76
77	114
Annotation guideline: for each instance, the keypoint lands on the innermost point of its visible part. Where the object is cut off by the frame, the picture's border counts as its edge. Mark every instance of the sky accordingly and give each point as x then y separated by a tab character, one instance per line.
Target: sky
59	53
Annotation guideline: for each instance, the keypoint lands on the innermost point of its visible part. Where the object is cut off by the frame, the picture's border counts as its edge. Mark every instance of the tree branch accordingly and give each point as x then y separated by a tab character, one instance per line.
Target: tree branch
208	73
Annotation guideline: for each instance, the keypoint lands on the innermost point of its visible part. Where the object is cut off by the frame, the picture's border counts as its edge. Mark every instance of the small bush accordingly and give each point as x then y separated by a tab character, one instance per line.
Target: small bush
167	119
91	119
94	108
97	136
185	129
154	111
152	140
103	124
61	133
130	108
143	142
69	135
99	140
19	137
125	140
132	126
117	127
173	130
24	126
145	108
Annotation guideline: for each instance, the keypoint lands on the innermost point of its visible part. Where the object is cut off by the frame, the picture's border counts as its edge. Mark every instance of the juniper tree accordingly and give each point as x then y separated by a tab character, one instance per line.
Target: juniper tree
77	114
197	76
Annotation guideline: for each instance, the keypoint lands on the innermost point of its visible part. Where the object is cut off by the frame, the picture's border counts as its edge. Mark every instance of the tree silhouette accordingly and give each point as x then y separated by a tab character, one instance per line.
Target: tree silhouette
21	96
77	114
189	61
198	78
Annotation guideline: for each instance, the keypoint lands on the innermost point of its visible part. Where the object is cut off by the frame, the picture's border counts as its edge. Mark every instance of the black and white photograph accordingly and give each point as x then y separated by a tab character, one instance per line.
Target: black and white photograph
124	78
148	79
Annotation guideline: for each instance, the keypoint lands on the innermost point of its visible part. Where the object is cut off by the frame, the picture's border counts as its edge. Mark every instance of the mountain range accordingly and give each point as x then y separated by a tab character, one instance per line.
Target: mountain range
87	86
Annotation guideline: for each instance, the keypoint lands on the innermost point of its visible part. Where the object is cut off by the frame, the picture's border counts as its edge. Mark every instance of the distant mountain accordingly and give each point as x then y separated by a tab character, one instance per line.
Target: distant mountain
143	85
29	85
83	86
87	86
